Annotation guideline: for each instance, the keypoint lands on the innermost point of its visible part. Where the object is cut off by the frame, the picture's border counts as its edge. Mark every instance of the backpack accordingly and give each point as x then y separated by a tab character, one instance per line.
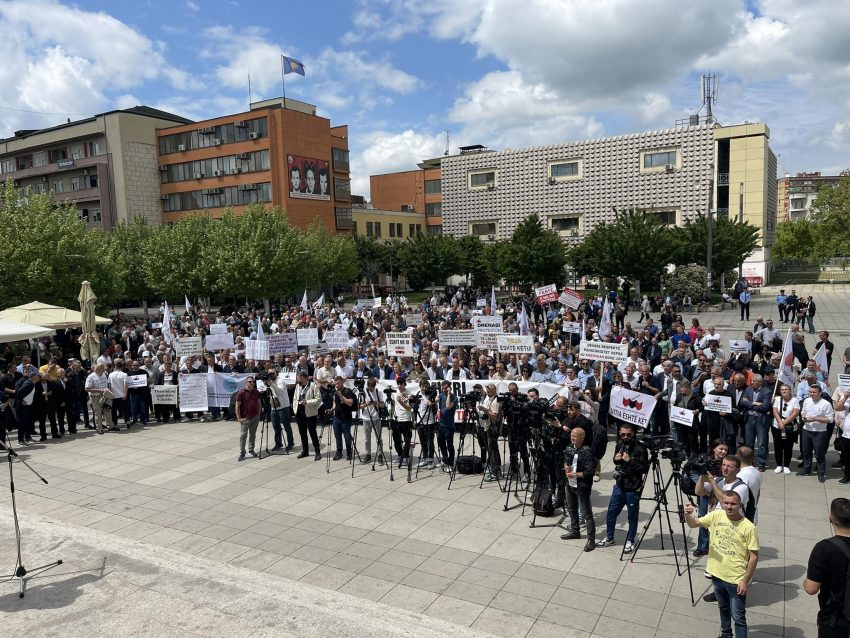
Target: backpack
750	509
844	550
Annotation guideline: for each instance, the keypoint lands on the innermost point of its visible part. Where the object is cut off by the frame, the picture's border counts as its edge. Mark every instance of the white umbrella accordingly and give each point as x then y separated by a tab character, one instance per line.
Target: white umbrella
89	342
16	331
42	314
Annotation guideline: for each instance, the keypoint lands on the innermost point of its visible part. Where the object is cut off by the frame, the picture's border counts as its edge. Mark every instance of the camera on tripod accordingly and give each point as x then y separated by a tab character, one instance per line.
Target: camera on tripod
470	399
360	383
414	400
703	464
389	392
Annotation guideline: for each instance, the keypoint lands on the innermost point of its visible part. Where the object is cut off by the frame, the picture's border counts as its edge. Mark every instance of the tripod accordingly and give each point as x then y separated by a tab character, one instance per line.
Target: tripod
429	428
516	443
264	434
661	502
543	461
470	422
21	572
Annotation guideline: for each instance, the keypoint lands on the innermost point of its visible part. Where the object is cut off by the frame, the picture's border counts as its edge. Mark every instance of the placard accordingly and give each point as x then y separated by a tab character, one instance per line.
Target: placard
188	346
480	303
603	351
218	328
307	336
739	345
364	303
718	403
376	302
546	294
682	416
844	382
571	327
219	341
336	339
257	350
453	338
520	344
222	385
164	394
413	318
287	375
320	348
631	406
193	392
399	344
156	324
137	380
283	343
486	340
490	324
570	298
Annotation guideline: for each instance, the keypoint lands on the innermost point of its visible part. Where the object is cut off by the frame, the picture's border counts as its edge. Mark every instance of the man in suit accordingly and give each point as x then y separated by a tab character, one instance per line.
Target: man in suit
742	401
24	398
62	402
757	423
381	370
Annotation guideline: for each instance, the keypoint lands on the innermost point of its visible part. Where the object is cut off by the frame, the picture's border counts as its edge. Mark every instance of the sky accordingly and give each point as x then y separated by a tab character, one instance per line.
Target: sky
403	74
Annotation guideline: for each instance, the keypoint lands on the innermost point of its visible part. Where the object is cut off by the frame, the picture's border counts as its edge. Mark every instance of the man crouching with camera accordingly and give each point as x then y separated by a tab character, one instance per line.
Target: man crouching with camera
579	466
631	463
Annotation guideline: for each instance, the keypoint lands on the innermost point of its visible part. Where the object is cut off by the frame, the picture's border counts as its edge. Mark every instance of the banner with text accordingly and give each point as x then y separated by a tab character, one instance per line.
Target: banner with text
221	386
413	318
188	347
546	294
399	344
739	345
257	350
603	351
283	343
193	392
336	340
520	344
631	406
682	416
453	338
570	298
571	327
489	324
218	328
718	403
219	341
164	394
308	336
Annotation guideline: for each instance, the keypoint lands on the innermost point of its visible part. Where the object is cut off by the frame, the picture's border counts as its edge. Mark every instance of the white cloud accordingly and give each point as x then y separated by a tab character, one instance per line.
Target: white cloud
393	19
380	152
363	68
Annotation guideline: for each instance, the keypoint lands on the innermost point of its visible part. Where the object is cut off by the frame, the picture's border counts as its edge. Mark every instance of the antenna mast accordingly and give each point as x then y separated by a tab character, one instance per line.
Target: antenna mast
708	89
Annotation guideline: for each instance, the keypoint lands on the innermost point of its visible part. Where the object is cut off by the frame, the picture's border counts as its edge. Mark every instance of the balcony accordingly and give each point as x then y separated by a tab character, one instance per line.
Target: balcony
82	195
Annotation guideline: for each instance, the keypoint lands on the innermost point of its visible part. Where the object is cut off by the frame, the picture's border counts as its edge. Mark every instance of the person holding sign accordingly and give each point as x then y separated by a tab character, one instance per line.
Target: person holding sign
688	433
248	406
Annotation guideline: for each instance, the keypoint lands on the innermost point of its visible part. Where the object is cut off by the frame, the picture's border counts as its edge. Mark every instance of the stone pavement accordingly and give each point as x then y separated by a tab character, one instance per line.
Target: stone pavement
196	544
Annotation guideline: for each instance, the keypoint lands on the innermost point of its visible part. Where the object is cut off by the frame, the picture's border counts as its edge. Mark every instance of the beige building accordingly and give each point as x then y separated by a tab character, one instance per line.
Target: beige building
106	164
797	193
385	225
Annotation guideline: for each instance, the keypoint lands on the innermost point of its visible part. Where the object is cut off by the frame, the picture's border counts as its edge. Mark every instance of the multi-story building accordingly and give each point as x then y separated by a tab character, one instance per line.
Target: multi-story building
283	155
386	225
796	193
105	164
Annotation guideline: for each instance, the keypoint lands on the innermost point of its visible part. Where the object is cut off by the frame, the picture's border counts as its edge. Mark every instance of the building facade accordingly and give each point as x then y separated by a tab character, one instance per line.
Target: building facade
417	191
106	164
797	193
282	155
384	225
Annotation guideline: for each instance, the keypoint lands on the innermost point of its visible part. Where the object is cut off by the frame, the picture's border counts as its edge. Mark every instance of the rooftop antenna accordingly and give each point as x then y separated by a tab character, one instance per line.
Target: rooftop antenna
708	94
446	153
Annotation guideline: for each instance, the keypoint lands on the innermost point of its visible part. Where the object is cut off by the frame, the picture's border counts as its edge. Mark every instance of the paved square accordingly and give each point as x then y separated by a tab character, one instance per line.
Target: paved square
452	555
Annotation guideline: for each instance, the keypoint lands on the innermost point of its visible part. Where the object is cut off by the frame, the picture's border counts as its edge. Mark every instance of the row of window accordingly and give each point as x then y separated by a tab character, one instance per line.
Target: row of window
72	184
216	166
90	215
204	137
217	197
566	225
396	230
78	150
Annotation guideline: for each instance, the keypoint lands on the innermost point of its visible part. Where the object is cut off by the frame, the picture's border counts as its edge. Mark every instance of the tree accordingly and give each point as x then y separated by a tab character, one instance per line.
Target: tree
688	279
333	258
187	258
127	255
480	261
732	242
795	241
533	256
371	256
830	212
429	259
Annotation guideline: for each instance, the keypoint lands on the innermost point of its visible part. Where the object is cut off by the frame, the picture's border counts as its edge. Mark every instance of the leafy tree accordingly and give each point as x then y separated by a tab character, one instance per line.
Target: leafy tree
732	242
533	256
127	257
830	212
371	256
429	259
333	258
186	258
480	261
688	279
795	241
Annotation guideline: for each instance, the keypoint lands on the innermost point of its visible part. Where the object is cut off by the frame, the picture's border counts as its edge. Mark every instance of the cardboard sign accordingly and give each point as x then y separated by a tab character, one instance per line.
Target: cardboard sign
137	380
156	324
283	343
739	345
218	328
399	344
376	302
164	394
571	327
546	294
570	298
193	392
287	375
487	340
188	347
453	338
219	341
320	348
336	340
520	344
844	382
308	337
603	351
630	406
364	303
682	416
718	403
488	324
413	318
480	303
257	350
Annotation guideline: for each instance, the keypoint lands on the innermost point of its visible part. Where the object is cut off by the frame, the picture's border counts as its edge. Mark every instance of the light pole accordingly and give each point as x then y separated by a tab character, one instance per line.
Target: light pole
709	223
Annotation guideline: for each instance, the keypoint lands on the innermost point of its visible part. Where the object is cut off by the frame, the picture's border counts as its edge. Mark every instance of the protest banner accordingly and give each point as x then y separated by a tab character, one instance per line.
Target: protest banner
364	303
631	406
137	380
164	394
219	341
307	336
336	340
257	350
413	318
376	302
218	328
283	343
520	344
399	344
571	327
188	347
570	298
319	348
718	403
739	345
546	294
491	324
155	325
603	351
453	338
844	382
487	340
480	303
682	416
193	393
287	375
221	386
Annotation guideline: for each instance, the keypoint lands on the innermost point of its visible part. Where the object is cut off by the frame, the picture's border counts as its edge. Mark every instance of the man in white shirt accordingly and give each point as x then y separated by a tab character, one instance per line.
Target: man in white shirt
817	413
750	475
118	387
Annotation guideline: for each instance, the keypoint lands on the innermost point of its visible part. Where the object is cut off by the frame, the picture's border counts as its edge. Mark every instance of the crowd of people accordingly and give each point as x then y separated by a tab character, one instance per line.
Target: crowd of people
679	363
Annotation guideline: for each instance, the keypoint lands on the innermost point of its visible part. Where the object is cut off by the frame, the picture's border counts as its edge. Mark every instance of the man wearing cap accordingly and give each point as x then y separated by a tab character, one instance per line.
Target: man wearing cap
781	300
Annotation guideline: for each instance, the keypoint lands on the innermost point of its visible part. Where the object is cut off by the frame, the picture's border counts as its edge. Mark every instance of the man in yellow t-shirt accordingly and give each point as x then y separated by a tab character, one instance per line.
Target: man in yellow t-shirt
732	557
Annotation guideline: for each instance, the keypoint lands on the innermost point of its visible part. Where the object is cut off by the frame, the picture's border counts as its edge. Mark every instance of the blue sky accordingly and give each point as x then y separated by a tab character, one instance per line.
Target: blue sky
401	73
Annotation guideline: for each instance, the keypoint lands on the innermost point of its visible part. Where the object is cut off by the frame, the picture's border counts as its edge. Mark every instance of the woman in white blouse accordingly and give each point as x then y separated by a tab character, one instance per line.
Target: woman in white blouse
786	408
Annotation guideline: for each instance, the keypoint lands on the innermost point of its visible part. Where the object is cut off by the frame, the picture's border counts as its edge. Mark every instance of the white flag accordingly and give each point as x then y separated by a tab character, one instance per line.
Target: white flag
523	321
260	335
304	305
786	365
186	300
319	302
492	300
605	322
166	324
822	364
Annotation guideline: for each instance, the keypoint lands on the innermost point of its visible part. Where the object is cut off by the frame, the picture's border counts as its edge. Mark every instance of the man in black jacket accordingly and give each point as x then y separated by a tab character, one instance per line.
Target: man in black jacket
579	466
631	463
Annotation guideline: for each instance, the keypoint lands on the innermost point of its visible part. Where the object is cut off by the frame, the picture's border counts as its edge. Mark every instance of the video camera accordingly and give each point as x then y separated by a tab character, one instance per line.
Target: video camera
360	383
704	464
471	398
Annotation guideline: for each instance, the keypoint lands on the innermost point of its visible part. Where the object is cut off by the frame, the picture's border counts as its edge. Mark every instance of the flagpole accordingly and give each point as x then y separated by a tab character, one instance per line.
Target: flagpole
283	80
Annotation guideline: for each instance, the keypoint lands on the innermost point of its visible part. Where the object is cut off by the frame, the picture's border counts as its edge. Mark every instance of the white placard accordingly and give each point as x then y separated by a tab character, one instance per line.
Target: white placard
364	303
571	327
222	385
413	318
308	336
283	343
188	347
137	380
603	351
682	416
546	294
570	298
718	403
376	302
257	350
487	340
520	344
739	345
193	392
319	348
287	375
218	328
220	341
480	303
844	382
453	338
489	323
156	324
164	394
631	406
399	344
336	339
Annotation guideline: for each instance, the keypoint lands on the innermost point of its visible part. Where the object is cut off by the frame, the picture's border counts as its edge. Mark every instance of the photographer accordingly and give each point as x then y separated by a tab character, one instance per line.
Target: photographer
519	421
344	405
490	420
446	427
306	413
426	422
281	412
631	463
579	467
402	422
370	412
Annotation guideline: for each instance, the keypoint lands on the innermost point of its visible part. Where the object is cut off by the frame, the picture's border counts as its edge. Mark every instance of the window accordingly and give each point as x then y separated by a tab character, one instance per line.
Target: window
392	230
665	217
93	180
434	210
92	149
482	179
58	154
226	165
658	160
95	215
435	230
565	170
26	161
432	186
75	183
397	230
343	218
206	136
411	230
340	159
370	232
798	203
353	228
482	229
377	230
217	197
39	159
7	166
77	151
58	187
342	188
39	187
570	225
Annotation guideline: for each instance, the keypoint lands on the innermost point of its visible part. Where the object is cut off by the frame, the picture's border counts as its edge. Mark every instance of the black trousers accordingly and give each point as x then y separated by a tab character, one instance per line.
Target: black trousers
164	412
402	432
307	424
576	497
426	439
43	414
494	458
519	446
783	448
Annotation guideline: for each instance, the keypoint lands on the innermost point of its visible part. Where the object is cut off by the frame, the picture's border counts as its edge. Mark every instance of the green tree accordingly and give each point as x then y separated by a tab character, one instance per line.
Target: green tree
830	212
480	261
795	241
332	258
533	256
186	258
127	255
732	242
429	259
371	258
687	279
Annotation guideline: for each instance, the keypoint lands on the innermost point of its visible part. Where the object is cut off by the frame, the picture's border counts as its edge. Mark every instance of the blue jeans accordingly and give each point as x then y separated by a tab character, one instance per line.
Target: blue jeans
139	408
620	499
282	415
702	539
733	608
811	321
757	428
342	427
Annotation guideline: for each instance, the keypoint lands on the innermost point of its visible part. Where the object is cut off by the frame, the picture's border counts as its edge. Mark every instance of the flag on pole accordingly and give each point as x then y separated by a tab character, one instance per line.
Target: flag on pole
305	306
291	65
523	321
786	370
605	321
492	300
822	364
260	335
319	302
188	305
166	324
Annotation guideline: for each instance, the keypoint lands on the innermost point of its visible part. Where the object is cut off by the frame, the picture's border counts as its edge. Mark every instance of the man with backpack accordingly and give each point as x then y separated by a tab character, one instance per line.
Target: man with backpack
828	574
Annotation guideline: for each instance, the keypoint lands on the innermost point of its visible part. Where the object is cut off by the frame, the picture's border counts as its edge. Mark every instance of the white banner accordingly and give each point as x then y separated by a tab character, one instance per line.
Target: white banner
188	347
193	392
844	382
219	341
739	345
718	403
486	340
399	344
137	380
218	328
489	324
308	336
453	338
222	385
257	350
319	348
413	318
156	324
520	344
283	343
546	294
630	406
376	302
571	327
682	416
164	394
603	351
336	339
480	303
570	298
